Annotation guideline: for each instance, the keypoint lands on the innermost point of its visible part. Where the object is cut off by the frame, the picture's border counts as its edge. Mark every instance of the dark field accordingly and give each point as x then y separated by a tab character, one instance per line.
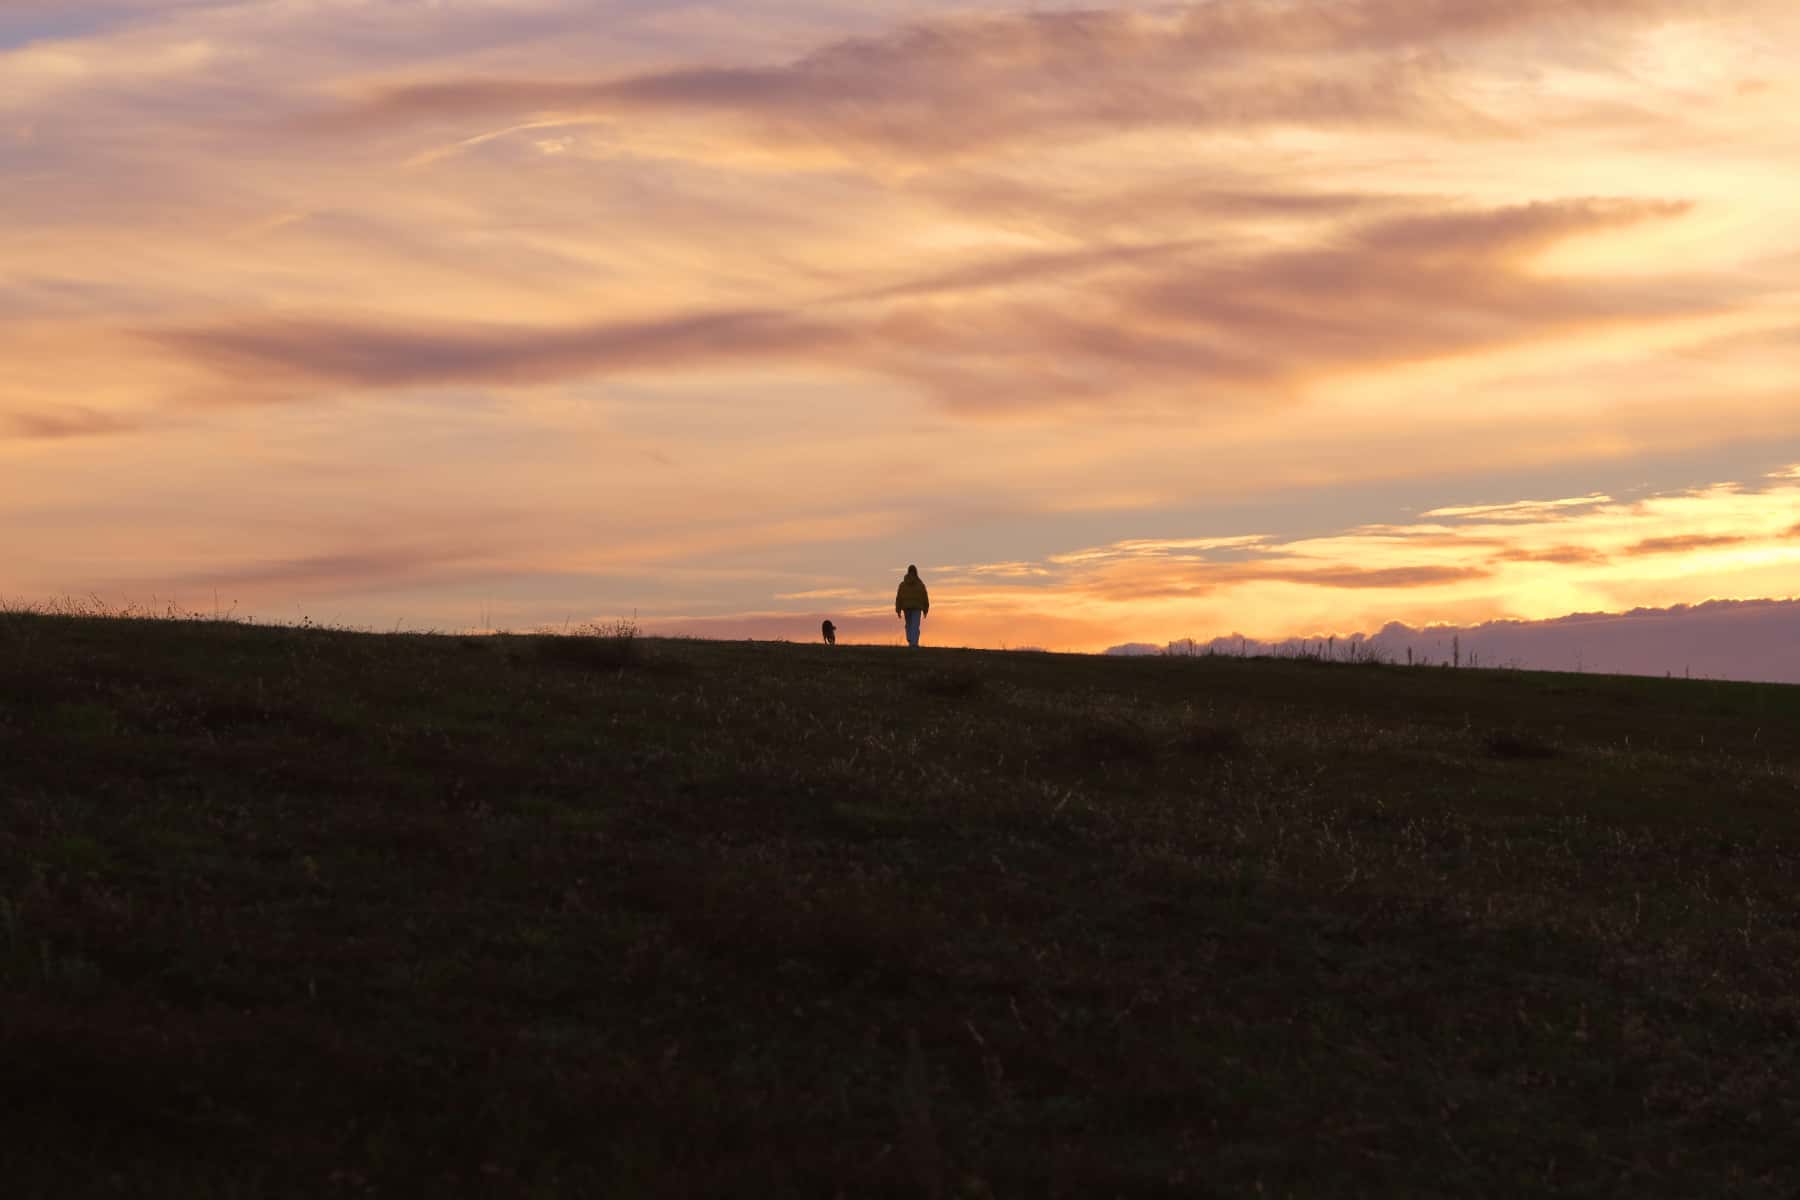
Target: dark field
298	912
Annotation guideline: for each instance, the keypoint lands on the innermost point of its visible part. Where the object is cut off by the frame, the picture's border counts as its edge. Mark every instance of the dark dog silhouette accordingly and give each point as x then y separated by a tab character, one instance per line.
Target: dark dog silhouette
830	632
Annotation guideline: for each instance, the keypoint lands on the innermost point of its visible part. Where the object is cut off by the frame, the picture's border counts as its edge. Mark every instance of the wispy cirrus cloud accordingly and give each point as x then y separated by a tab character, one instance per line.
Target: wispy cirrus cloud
950	86
1414	287
1527	510
999	570
1035	332
361	568
1566	555
947	87
380	566
1159	547
23	22
370	355
1221	196
1141	579
1681	544
68	421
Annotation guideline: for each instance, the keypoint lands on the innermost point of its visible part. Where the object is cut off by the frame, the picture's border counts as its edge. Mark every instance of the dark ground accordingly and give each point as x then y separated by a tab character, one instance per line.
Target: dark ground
301	912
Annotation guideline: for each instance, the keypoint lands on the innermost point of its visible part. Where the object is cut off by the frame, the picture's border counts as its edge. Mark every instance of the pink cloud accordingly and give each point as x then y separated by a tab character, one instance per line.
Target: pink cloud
1414	286
362	570
1175	578
1116	323
1563	555
71	421
953	84
341	351
1682	544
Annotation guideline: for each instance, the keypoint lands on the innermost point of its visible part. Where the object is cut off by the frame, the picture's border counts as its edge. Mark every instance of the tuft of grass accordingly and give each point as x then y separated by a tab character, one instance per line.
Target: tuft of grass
596	647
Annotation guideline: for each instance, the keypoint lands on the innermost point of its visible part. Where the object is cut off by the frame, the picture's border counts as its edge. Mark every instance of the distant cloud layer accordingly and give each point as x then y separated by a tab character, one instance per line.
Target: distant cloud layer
1397	289
1717	639
371	356
954	86
1134	321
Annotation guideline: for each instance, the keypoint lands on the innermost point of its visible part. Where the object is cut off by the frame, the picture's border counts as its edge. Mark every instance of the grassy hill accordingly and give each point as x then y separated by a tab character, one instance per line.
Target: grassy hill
303	912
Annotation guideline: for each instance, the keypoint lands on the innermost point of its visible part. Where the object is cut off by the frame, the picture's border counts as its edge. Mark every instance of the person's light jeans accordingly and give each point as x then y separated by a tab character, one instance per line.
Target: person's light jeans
912	626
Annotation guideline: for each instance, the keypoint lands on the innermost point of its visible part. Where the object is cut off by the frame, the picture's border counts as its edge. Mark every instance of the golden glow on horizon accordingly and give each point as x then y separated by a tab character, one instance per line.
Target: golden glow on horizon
1529	560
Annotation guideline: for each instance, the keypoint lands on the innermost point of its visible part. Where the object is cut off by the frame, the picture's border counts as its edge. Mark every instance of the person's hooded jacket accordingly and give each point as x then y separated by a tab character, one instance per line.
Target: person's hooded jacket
912	593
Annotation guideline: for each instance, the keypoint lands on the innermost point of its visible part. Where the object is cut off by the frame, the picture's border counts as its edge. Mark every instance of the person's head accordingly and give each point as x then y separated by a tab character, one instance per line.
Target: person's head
911	570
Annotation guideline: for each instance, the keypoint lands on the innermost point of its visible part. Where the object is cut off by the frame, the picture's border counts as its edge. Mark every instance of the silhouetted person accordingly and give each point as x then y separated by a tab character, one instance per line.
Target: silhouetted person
829	631
912	602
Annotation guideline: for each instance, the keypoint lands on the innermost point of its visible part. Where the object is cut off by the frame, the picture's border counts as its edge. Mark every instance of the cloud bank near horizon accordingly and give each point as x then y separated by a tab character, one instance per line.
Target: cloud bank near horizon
1753	640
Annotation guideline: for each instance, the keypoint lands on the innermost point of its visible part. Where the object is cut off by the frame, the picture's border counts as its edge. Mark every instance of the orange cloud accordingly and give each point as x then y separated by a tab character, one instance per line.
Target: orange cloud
1115	323
69	421
1525	511
1379	577
362	570
954	85
1220	196
1681	544
1409	287
1566	555
370	355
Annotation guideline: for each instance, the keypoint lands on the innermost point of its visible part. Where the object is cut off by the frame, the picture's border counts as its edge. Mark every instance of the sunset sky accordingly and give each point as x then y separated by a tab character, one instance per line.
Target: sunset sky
1126	323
